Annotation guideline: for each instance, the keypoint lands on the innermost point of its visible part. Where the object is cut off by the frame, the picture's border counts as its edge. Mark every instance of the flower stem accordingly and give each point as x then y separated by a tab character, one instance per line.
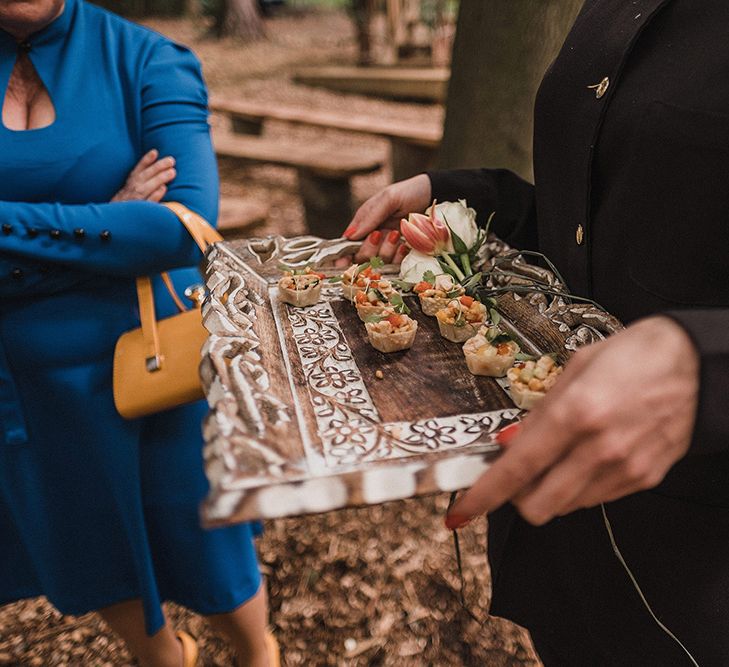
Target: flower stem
466	262
449	260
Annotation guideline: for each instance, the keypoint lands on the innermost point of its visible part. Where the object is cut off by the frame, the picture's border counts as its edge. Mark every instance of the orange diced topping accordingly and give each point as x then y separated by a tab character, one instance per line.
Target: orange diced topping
467	301
503	348
360	297
368	272
395	320
421	287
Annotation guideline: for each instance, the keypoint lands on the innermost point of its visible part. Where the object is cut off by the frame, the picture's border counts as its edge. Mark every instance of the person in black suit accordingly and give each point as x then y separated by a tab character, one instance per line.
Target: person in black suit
618	551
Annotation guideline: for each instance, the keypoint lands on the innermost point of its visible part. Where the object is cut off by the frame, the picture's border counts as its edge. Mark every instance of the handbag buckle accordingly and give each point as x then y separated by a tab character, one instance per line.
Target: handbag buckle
196	294
153	363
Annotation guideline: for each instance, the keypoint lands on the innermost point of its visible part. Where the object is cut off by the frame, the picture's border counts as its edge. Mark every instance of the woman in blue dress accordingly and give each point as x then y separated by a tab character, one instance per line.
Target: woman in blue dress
99	513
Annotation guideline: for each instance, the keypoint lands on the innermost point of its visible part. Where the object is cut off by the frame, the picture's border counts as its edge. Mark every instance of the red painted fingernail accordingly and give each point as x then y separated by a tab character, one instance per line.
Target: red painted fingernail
508	433
350	230
456	521
403	250
394	236
375	237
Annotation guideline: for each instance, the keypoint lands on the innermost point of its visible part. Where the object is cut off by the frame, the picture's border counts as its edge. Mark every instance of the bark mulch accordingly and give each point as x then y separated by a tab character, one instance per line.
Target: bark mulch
375	586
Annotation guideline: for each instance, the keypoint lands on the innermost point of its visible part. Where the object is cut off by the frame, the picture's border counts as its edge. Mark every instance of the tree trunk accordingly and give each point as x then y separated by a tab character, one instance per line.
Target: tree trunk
241	19
361	12
501	51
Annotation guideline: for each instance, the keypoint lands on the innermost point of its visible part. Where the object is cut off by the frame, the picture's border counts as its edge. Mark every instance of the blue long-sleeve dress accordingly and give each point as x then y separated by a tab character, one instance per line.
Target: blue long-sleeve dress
94	509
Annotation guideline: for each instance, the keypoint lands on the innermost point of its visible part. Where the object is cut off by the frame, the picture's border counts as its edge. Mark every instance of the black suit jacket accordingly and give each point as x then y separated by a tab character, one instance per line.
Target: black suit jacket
641	165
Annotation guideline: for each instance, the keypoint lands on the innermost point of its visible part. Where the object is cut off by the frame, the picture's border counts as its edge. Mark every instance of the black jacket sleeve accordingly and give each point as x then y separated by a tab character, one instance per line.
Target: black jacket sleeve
493	190
709	331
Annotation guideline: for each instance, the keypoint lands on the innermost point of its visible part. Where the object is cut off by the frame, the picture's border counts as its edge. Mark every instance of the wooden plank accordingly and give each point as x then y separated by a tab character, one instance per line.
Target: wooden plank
426	85
416	386
428	135
342	163
237	215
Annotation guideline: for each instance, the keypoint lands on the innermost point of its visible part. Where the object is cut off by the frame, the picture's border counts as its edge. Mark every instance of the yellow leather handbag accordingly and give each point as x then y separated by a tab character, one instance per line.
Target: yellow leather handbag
156	365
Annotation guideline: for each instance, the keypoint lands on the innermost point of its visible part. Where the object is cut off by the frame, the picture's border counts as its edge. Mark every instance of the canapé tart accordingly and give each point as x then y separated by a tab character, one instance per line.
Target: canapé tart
461	319
300	288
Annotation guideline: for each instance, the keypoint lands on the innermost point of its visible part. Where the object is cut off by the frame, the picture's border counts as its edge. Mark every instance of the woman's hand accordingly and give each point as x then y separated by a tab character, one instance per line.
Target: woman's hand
617	420
378	219
148	180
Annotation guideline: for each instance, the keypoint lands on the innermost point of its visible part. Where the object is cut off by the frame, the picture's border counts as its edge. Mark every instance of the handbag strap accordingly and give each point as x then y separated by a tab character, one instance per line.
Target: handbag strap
203	234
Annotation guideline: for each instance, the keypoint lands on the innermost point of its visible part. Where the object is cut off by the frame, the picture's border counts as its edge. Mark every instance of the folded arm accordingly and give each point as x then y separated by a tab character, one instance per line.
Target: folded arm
132	237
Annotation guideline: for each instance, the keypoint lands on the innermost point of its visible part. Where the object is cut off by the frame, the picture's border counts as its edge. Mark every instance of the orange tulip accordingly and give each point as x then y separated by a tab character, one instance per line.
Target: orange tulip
426	233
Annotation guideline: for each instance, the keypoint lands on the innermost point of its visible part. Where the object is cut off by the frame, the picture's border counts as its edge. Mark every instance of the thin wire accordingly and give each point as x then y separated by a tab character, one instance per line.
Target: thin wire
619	556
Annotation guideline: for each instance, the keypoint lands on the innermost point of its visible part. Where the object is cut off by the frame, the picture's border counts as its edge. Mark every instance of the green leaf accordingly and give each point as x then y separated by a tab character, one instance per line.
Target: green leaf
447	269
429	277
488	225
501	338
472	280
335	279
397	301
380	296
480	240
373	263
489	302
453	294
459	246
495	316
403	285
523	356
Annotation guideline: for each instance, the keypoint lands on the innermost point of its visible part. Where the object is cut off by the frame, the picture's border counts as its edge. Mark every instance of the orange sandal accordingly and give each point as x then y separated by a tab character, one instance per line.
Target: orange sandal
274	652
189	649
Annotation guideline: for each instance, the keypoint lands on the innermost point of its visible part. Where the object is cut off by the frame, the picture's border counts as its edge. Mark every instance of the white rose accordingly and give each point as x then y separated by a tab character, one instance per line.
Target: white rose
415	264
460	219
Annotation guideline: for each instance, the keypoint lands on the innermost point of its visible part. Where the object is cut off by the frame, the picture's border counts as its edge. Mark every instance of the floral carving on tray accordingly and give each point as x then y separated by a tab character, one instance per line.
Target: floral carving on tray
349	424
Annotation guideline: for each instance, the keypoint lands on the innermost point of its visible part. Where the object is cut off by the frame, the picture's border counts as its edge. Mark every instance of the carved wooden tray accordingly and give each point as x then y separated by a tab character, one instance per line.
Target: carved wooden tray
300	423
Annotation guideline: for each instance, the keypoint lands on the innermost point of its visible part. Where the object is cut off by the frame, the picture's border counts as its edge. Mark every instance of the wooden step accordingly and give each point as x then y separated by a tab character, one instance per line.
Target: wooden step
426	85
339	164
429	135
238	215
